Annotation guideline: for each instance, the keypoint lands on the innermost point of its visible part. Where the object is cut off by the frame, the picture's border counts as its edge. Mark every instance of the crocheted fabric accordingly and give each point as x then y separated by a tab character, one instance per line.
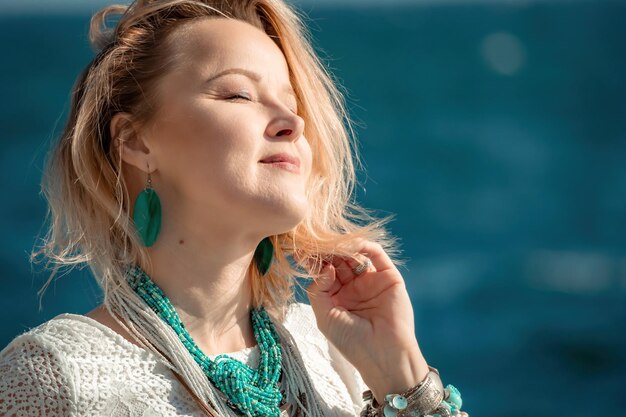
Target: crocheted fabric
74	366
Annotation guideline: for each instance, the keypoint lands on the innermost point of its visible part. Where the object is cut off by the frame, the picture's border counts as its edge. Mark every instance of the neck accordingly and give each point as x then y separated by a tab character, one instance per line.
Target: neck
208	283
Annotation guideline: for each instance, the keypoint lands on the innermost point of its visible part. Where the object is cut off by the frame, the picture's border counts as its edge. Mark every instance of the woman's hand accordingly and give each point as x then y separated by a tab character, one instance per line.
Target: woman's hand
369	318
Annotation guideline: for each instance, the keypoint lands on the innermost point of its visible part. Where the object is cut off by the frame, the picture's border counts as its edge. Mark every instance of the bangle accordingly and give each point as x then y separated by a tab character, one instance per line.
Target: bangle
428	398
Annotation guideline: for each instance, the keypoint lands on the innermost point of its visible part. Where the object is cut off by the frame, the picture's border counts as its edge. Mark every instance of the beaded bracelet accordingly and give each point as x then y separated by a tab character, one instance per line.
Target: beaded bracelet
427	399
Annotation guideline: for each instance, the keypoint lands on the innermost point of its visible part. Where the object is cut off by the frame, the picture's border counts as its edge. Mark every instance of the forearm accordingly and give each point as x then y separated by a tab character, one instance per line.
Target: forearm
398	373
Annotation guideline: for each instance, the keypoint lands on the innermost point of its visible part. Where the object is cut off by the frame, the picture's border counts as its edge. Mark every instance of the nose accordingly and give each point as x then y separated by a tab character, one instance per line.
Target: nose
286	126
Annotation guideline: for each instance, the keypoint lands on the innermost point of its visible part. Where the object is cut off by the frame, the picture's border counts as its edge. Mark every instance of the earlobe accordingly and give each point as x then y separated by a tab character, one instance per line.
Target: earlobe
127	136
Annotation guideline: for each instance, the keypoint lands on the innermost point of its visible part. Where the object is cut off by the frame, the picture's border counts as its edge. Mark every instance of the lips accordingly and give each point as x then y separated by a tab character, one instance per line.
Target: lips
281	157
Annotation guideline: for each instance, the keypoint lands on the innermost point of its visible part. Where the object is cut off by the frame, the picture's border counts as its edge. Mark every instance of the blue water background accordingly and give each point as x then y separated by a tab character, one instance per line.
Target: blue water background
495	132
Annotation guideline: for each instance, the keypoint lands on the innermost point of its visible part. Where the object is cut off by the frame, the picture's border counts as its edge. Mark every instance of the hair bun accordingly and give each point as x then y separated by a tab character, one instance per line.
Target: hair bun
100	35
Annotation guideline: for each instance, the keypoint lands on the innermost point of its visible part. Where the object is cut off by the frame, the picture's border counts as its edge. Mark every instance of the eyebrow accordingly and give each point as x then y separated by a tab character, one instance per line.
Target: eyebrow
250	74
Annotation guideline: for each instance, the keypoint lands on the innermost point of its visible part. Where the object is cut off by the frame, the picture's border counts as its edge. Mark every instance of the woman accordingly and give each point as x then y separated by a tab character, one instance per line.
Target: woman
204	165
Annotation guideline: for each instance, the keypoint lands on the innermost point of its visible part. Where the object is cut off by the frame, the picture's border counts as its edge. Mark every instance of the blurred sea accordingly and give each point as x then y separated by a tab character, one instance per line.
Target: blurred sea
495	131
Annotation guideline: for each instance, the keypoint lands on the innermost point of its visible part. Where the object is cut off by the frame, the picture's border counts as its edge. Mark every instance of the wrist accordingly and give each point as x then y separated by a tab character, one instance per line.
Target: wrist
427	397
404	371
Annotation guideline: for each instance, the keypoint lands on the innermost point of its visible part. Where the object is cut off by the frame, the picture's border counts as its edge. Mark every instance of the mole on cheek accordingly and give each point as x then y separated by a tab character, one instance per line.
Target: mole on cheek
181	241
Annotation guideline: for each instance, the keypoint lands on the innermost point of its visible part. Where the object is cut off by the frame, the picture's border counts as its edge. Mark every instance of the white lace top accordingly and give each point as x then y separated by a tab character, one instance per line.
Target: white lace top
73	365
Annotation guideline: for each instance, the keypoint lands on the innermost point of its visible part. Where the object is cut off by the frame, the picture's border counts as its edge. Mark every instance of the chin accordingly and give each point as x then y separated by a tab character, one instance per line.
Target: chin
288	224
286	219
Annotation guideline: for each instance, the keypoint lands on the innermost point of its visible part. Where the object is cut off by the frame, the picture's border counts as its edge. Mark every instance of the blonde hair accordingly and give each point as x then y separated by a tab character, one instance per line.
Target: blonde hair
89	205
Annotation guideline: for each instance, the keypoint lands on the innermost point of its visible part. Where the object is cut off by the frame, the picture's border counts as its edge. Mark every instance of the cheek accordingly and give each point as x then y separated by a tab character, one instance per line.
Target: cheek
205	133
205	153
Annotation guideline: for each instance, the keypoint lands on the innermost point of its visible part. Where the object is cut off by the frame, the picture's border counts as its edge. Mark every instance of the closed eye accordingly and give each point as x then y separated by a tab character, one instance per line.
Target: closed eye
238	97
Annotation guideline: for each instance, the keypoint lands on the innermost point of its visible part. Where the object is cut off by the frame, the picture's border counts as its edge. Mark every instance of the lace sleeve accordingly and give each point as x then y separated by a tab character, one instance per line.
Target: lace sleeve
34	380
350	376
349	384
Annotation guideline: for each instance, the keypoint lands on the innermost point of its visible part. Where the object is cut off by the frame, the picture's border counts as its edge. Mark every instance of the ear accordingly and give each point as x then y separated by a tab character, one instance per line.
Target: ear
126	134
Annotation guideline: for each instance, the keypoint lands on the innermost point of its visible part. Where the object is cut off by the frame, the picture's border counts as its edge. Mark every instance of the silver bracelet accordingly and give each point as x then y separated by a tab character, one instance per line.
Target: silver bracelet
426	398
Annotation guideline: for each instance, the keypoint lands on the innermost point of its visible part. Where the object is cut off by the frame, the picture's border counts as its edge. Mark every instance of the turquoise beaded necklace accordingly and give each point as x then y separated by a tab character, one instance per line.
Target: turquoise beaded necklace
251	392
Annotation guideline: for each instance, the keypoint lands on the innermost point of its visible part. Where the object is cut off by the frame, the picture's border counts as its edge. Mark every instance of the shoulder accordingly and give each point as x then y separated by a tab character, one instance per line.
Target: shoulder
52	345
76	338
76	363
34	376
40	341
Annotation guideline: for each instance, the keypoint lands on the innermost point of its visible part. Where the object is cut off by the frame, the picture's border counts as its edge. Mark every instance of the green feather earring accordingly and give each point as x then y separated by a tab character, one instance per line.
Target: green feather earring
147	214
263	255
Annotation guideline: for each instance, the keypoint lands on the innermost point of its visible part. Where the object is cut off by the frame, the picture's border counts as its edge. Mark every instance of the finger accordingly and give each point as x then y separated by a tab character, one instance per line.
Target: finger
310	265
375	252
344	271
326	280
365	288
322	289
357	262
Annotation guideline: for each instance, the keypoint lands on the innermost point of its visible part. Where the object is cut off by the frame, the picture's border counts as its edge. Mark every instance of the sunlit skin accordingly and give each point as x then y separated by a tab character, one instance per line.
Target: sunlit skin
203	149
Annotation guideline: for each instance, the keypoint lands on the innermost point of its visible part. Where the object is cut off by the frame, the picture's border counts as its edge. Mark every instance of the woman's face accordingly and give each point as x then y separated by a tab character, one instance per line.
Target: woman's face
226	107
